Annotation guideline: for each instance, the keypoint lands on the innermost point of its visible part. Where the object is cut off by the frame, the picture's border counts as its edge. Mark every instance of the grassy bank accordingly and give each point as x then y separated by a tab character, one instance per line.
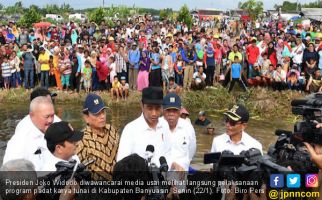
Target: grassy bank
262	103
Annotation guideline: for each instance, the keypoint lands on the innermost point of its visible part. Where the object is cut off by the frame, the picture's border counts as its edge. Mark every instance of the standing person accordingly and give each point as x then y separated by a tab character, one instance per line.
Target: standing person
134	58
181	134
6	72
236	75
87	76
112	68
15	70
209	62
121	58
100	141
66	69
28	141
179	67
189	56
167	69
56	69
43	60
147	129
155	69
252	56
271	53
143	77
28	66
235	139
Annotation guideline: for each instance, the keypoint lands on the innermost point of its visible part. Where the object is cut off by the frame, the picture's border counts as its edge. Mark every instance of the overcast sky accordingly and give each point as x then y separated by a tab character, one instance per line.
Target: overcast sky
158	4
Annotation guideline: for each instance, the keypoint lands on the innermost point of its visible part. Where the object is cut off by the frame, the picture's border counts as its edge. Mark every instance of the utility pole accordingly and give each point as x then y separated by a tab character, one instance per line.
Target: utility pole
103	3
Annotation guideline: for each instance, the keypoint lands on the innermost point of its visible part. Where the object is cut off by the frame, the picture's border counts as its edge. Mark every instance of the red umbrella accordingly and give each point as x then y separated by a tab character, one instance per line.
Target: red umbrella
42	25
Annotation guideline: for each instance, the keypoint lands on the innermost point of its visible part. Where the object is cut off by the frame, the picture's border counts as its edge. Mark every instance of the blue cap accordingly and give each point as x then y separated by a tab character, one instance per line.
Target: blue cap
93	103
172	101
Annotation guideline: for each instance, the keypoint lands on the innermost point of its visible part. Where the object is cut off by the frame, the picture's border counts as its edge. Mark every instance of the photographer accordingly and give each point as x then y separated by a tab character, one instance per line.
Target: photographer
315	151
61	141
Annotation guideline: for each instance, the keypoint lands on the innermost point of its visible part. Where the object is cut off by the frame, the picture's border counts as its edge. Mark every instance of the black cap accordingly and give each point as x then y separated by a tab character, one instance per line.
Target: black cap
62	131
41	92
238	113
152	95
172	101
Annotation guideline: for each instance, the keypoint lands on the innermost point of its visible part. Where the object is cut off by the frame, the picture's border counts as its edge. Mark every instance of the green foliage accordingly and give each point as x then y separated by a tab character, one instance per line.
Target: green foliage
317	4
97	15
286	6
184	16
254	8
15	9
29	17
165	13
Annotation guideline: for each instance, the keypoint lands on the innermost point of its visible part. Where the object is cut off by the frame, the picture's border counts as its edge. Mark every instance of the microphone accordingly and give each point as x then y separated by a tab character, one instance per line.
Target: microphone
149	153
163	164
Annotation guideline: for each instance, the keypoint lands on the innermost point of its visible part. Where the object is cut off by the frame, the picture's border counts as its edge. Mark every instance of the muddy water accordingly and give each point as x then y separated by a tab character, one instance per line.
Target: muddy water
120	116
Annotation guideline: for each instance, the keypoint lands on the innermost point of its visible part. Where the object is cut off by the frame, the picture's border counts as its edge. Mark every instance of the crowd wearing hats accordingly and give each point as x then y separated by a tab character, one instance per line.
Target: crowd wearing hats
142	52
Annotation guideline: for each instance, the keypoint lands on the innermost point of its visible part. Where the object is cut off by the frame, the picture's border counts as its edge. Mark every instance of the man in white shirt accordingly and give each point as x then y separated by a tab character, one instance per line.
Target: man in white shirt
181	134
28	141
235	139
146	130
61	142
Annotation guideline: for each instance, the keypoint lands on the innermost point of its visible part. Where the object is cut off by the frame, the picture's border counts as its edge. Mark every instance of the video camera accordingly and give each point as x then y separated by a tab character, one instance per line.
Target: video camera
289	149
65	171
247	166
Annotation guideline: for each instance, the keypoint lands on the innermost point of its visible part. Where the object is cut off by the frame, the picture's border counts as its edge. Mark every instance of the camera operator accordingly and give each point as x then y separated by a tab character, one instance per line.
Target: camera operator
315	151
235	139
61	141
19	171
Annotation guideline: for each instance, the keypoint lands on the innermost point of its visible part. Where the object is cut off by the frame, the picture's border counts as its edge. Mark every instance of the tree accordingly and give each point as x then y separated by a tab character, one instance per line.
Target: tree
1	6
15	9
30	17
165	13
184	16
97	15
254	8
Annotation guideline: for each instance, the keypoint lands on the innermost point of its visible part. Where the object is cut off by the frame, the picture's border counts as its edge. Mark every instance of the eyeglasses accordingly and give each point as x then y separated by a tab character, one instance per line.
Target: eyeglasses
231	122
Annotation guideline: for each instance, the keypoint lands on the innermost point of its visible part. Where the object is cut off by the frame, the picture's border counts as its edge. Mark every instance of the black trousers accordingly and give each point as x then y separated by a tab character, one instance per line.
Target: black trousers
241	83
155	78
210	72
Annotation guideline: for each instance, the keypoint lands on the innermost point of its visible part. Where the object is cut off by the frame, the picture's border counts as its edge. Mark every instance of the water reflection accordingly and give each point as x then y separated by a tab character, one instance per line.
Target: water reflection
120	116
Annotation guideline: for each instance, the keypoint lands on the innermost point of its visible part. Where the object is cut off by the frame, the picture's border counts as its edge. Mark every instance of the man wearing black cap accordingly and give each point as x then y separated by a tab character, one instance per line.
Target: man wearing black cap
235	139
100	141
181	134
61	142
147	129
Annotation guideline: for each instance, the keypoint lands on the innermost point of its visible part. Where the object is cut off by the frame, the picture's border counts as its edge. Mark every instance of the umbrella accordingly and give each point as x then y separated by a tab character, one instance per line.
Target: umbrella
42	25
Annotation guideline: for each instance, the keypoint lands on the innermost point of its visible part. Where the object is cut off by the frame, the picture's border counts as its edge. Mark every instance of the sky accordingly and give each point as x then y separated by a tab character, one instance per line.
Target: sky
158	4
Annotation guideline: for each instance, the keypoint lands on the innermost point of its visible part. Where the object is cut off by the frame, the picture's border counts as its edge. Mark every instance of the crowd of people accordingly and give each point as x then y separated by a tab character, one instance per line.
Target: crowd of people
141	52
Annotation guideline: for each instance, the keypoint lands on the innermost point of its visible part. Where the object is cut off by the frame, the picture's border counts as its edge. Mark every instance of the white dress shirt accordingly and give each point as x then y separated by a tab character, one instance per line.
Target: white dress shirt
28	142
51	161
182	143
223	142
137	135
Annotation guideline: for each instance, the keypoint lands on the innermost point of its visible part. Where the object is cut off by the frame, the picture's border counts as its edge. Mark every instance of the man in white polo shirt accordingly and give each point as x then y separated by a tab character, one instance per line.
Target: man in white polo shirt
146	130
235	139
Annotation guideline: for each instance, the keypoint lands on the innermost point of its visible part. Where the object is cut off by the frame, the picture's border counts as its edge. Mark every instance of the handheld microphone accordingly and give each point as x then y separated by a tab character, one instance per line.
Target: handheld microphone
163	164
149	152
